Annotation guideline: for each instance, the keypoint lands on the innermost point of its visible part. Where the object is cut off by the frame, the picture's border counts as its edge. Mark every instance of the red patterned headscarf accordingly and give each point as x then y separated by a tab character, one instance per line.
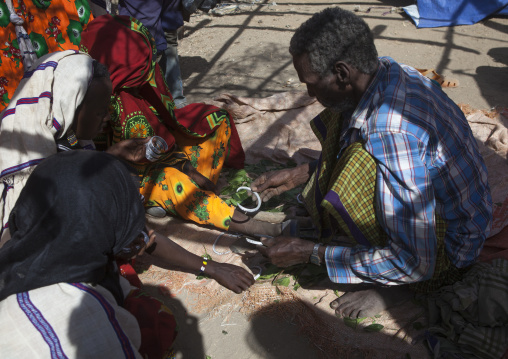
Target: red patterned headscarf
127	48
124	46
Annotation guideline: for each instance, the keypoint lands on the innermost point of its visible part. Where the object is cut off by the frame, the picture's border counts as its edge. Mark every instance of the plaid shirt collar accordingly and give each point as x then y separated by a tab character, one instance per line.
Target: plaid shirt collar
354	123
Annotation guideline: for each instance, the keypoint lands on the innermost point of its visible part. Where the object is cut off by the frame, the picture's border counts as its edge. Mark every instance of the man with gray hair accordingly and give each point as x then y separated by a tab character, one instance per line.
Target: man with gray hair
400	173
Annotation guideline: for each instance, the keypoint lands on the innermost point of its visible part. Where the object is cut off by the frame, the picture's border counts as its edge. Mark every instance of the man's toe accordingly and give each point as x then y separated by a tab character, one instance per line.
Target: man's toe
334	304
338	312
343	310
355	313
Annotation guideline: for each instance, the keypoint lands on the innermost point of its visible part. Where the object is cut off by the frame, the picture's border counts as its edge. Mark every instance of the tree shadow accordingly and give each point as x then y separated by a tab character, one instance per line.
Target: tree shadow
193	65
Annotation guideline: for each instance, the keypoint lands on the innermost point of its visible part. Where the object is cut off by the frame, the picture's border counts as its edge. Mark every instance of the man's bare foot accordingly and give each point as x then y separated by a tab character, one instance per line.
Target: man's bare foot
367	303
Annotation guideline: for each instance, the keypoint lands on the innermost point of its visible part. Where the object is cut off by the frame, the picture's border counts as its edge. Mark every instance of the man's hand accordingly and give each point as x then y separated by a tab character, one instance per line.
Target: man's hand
132	150
286	251
230	276
277	182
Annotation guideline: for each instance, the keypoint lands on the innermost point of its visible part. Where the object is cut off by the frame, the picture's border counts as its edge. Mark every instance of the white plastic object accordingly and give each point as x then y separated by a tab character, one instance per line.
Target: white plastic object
250	209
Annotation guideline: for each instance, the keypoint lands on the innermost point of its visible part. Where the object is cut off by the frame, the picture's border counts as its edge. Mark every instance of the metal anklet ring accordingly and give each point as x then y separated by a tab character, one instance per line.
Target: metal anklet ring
258	199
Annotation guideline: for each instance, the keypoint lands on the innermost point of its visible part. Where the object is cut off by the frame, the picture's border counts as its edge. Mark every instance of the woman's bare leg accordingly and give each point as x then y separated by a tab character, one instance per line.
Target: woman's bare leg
244	224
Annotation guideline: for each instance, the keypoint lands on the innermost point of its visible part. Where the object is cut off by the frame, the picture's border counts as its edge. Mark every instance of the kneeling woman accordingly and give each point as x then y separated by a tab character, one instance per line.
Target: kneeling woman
60	291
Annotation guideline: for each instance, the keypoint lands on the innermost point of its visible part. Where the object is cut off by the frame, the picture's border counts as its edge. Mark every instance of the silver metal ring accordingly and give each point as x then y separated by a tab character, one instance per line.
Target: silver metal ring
260	272
251	241
257	198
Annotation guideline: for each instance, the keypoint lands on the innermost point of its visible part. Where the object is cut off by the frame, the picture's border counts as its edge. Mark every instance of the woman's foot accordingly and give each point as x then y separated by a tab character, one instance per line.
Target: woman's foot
242	223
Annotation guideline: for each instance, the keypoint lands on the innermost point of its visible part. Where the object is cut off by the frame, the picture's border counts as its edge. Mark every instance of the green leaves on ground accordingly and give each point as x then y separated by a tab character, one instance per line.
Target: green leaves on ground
353	323
284	281
303	275
373	328
244	178
270	271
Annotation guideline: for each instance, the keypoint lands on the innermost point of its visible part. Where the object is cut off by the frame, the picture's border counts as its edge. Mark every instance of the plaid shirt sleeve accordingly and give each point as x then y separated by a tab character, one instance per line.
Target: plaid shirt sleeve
405	209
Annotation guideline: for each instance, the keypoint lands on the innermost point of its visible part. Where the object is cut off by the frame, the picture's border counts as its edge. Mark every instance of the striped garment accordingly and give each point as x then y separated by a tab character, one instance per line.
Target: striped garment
67	320
40	111
428	164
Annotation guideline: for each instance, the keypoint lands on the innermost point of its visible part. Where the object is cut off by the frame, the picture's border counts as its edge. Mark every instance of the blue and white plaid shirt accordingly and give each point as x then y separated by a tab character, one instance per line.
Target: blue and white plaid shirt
428	162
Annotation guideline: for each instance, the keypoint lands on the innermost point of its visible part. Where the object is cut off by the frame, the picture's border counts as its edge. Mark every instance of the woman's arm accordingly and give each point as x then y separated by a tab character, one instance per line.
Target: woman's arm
168	254
132	150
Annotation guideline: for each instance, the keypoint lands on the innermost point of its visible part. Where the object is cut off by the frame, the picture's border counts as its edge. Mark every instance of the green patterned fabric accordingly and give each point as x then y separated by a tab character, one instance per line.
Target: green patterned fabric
354	179
319	181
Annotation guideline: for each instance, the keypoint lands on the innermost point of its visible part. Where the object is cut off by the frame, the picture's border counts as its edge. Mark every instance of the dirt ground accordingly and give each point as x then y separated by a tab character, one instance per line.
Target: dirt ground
244	52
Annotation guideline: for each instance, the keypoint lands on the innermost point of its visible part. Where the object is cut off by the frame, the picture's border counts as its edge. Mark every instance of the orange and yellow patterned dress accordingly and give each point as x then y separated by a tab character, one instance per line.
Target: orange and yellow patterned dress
142	106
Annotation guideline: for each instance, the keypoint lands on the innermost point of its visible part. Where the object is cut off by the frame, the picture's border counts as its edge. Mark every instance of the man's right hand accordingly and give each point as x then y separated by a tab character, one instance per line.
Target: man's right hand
286	251
277	182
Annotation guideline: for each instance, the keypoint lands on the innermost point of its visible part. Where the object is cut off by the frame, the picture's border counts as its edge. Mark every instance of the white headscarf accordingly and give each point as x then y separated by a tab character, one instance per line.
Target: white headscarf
41	110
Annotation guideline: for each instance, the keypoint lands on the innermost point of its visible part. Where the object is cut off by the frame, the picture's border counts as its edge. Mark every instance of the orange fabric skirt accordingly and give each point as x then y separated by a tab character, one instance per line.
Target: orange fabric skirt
180	195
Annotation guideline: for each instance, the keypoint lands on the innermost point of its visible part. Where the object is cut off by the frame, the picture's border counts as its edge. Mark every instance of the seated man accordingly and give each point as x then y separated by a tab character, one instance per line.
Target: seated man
400	172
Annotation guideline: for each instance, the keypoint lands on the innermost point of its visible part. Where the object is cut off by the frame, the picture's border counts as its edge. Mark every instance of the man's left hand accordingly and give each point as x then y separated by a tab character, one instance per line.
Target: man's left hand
286	251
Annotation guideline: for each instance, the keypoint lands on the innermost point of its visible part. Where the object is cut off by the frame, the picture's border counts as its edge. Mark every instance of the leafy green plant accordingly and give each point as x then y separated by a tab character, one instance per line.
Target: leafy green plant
284	282
373	328
244	178
270	271
353	322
